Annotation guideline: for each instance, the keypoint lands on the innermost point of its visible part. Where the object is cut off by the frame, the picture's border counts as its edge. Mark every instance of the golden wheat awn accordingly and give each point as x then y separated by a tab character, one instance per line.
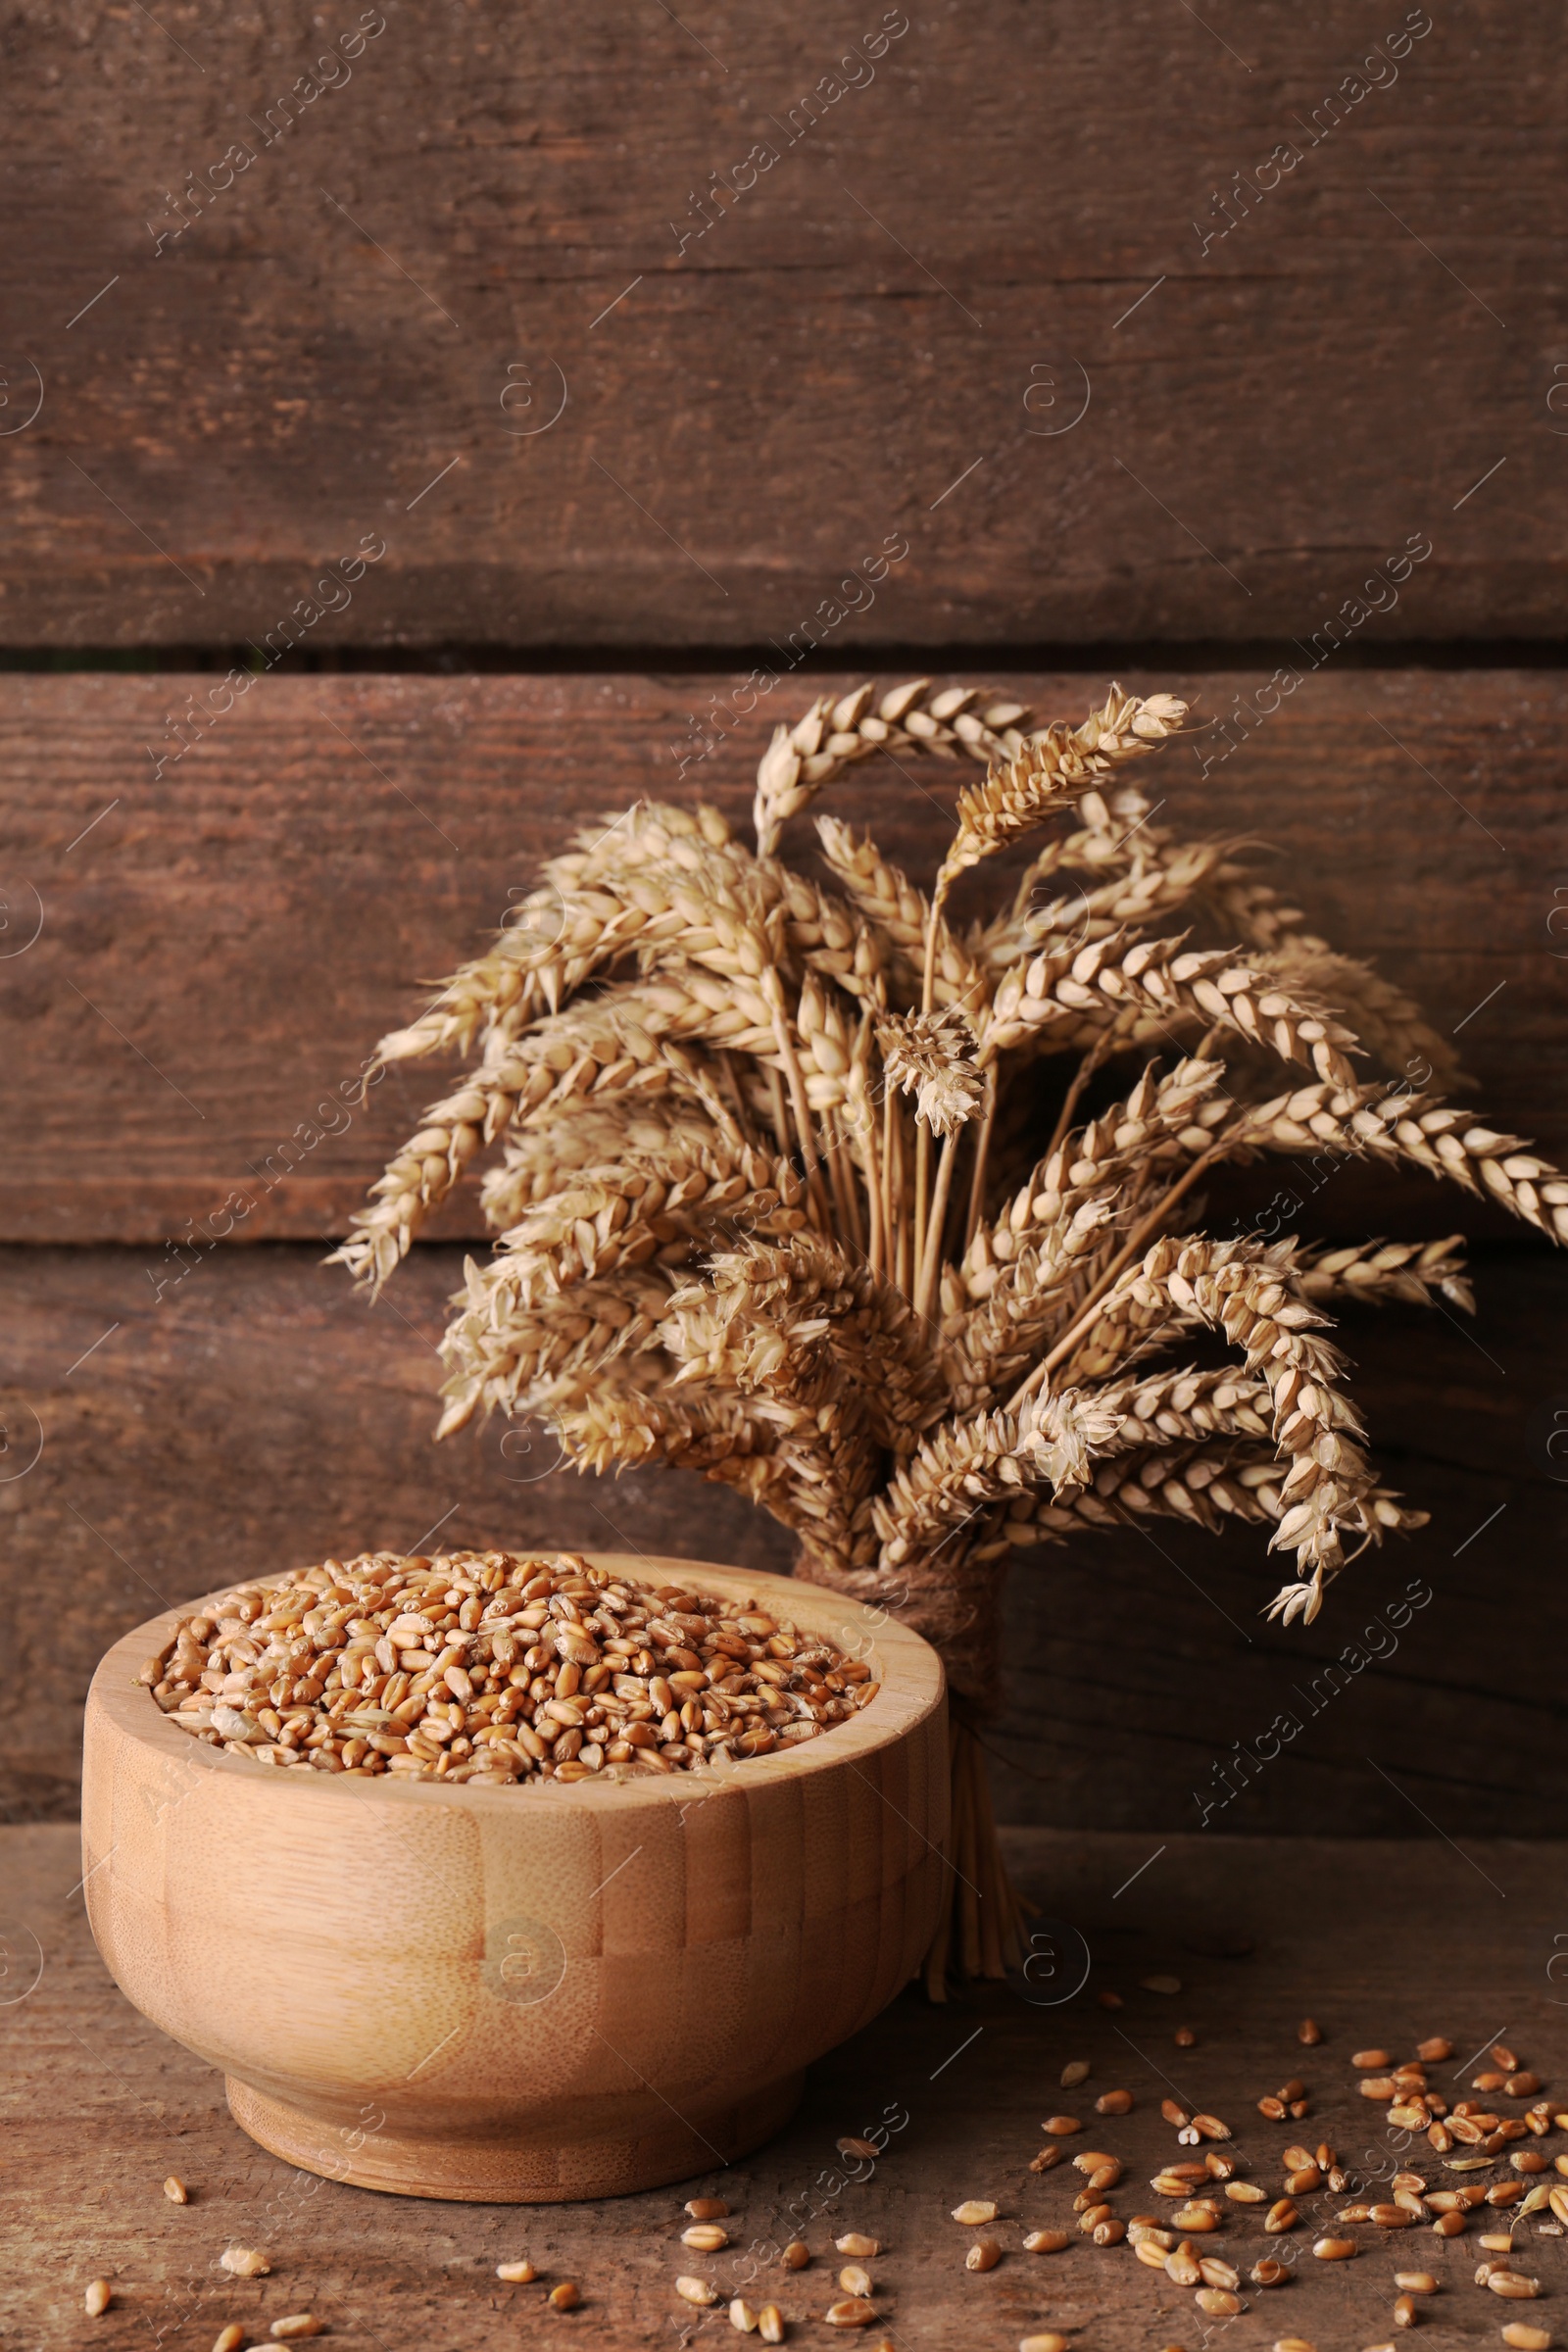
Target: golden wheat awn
797	1181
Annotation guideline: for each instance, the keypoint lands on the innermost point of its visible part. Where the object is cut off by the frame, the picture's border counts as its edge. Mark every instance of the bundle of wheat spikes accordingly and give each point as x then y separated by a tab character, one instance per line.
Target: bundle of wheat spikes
791	1190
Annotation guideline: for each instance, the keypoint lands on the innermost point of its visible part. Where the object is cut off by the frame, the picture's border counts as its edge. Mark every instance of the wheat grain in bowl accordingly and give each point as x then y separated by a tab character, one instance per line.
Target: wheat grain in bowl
504	1667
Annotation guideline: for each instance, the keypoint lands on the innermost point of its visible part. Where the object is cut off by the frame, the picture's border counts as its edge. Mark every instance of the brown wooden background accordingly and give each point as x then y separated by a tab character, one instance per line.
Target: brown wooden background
499	305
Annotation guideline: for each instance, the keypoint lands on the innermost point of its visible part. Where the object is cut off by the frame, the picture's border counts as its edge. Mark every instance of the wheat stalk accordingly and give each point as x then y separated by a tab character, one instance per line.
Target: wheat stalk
795	1187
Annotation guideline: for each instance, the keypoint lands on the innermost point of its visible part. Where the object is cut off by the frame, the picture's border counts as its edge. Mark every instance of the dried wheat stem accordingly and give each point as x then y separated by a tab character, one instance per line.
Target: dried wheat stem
774	992
966	1857
896	1190
931	1258
862	1212
859	1120
840	1175
777	1108
922	1139
1001	1913
902	1197
980	1913
928	975
982	1154
923	1191
733	1092
936	1959
889	1265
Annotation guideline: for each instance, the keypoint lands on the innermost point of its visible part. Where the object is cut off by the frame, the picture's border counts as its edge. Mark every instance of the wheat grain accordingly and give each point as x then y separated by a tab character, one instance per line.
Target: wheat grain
507	1667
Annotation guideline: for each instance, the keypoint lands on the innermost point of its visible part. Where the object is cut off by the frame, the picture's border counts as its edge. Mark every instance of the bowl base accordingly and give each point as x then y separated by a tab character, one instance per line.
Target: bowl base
493	2169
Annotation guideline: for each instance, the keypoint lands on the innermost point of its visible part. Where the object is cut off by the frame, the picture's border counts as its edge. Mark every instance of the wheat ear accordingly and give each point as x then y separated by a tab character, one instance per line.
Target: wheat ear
834	734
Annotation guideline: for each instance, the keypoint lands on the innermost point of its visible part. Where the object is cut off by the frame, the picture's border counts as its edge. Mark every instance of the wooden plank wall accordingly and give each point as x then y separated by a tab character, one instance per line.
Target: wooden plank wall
489	210
450	457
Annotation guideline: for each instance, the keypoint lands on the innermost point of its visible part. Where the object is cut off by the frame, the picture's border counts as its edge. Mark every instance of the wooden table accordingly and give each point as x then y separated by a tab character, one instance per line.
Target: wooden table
1382	1942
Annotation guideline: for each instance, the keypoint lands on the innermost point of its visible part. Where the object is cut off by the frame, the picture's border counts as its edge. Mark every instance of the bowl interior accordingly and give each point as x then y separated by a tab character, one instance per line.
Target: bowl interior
905	1667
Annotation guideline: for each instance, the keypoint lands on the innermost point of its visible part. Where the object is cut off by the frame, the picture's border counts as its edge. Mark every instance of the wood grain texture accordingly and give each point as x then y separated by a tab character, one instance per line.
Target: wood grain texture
541	2001
260	1417
362	323
1382	1942
197	964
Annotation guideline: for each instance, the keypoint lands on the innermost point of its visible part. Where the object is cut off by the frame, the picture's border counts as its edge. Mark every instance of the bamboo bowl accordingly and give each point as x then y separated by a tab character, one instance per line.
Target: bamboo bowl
522	1995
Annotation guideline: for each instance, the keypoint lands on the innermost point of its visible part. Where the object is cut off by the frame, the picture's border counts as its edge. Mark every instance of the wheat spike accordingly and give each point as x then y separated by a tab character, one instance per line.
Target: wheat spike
1388	1024
559	1146
621	1042
1052	769
1206	1483
1378	1271
932	1057
1163	979
555	938
834	734
1389	1124
1248	1292
1024	1275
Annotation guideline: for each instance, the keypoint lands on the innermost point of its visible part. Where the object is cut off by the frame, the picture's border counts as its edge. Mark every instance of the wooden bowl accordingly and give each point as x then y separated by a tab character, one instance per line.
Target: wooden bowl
521	1995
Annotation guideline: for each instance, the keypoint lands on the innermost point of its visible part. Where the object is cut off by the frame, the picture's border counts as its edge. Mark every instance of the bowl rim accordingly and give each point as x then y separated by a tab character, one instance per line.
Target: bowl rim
914	1686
